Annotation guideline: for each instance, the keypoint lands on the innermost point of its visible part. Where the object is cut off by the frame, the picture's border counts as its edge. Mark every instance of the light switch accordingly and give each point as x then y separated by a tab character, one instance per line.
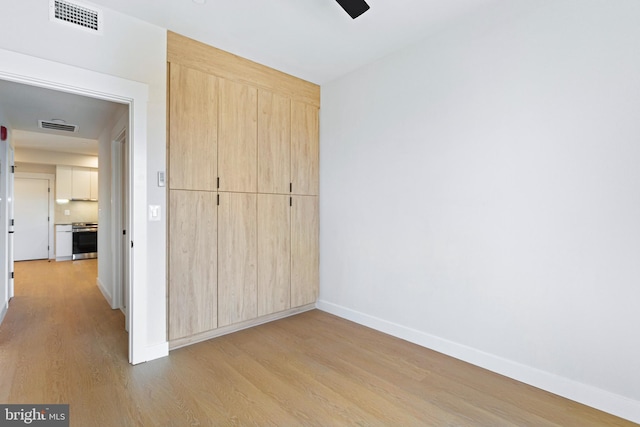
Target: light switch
161	179
67	212
154	213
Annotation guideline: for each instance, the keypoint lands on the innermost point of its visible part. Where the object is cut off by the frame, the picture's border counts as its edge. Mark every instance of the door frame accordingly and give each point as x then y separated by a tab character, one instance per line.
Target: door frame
20	68
6	229
52	182
119	221
10	210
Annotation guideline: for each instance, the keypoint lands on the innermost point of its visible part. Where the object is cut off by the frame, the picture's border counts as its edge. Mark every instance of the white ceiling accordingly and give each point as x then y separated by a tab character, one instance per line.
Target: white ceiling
24	105
311	39
50	142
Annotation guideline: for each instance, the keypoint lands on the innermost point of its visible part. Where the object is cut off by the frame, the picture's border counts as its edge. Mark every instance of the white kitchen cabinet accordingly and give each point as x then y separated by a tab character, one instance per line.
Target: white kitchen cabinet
81	184
93	178
64	182
64	242
75	183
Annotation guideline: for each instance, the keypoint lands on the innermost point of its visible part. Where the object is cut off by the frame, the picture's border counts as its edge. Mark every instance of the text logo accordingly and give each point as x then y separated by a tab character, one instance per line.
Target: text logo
34	415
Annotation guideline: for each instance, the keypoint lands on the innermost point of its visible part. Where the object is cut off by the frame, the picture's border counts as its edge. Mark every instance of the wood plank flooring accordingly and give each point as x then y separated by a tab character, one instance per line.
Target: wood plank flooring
61	343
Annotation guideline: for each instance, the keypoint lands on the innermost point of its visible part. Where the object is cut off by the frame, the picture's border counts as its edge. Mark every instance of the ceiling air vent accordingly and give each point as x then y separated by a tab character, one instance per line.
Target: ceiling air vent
76	14
62	127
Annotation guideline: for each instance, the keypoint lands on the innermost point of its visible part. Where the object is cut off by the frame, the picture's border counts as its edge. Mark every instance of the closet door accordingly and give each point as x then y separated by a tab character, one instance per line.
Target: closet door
304	148
274	253
305	274
193	121
274	140
237	137
192	263
237	272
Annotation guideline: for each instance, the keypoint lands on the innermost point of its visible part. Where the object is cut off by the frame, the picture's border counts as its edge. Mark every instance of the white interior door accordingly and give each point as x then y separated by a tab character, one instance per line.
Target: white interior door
124	212
31	214
120	221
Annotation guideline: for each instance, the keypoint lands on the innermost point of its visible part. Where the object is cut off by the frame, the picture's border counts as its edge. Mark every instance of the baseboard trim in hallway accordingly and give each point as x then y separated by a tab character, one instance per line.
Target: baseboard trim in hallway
3	311
105	293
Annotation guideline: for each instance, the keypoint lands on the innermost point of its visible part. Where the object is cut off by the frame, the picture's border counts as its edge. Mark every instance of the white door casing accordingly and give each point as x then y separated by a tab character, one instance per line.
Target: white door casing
6	256
10	208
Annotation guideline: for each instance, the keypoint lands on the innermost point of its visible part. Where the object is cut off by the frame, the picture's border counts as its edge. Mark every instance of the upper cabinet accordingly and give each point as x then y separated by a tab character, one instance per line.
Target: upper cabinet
238	126
81	184
288	146
193	129
64	183
93	190
305	145
238	134
274	143
76	183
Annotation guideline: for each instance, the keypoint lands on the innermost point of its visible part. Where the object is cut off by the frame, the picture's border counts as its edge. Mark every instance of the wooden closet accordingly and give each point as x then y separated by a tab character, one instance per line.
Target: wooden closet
243	192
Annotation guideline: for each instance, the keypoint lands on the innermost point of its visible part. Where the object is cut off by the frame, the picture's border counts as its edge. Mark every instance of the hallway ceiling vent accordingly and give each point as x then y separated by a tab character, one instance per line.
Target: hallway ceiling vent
56	125
76	14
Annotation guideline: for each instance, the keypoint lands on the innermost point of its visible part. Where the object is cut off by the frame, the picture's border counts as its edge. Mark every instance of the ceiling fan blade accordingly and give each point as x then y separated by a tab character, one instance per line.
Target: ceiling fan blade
354	8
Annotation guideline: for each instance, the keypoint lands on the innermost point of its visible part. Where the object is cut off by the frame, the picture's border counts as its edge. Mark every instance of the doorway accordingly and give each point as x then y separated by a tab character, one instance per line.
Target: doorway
69	79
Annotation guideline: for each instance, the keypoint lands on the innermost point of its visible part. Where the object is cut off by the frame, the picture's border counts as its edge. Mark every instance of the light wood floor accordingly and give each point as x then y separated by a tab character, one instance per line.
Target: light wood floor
61	343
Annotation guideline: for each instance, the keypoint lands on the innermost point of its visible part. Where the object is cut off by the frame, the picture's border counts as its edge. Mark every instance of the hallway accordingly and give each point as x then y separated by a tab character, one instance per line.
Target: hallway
60	341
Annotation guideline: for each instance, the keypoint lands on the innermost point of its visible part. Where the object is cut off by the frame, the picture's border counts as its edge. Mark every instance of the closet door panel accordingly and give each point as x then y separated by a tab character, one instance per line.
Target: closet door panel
237	137
192	263
274	253
274	140
304	148
305	274
193	121
237	272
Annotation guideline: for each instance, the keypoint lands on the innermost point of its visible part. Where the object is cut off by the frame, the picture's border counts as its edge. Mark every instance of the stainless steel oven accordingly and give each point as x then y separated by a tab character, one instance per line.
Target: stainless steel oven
85	240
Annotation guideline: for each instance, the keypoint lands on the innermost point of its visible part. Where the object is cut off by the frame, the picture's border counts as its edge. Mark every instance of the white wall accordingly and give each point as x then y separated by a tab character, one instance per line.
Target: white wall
79	211
36	156
480	194
35	168
129	49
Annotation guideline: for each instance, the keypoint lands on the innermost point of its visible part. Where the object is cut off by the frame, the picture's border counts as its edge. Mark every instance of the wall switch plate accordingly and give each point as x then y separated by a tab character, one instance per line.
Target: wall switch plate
161	179
154	213
67	212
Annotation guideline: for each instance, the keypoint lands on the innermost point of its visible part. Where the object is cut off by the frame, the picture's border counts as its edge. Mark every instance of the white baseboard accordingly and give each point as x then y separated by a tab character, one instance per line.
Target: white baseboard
603	400
3	311
105	293
229	329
